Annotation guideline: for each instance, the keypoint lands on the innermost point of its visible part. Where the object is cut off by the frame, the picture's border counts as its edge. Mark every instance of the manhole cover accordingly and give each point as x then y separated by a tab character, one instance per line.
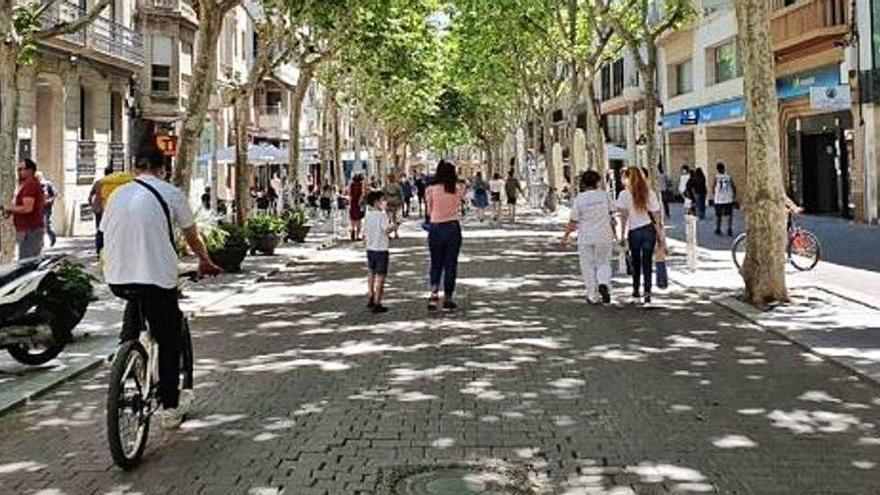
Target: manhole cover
453	481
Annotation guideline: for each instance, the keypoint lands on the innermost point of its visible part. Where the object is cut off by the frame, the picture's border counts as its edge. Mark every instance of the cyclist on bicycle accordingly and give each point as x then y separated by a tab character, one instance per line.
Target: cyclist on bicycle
140	265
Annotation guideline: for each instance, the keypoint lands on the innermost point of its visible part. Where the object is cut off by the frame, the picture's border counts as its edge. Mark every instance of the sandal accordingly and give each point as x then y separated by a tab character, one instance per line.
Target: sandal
433	302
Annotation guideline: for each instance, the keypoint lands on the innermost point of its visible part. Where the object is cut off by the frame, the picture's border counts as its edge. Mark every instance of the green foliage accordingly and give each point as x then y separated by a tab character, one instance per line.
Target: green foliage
70	283
264	225
295	217
26	20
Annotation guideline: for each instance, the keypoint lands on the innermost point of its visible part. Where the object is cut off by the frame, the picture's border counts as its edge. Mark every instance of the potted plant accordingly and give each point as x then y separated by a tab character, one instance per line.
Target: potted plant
227	246
264	233
296	222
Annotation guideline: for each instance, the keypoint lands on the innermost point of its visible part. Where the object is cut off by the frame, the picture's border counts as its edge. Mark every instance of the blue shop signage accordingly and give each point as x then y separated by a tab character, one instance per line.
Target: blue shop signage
787	87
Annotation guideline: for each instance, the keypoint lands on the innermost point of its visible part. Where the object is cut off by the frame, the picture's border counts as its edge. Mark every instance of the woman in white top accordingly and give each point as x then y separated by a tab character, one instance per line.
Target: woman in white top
591	216
641	222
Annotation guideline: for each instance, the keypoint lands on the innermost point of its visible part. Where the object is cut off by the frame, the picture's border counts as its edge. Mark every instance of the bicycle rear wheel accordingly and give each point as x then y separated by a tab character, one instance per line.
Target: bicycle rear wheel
738	250
128	405
803	250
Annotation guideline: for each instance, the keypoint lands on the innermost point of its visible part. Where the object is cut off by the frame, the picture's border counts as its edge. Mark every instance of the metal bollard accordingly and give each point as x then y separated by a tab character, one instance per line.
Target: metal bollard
691	234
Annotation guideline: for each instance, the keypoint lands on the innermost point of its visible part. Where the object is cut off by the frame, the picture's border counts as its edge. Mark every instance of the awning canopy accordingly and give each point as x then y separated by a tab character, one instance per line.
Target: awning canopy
616	152
258	154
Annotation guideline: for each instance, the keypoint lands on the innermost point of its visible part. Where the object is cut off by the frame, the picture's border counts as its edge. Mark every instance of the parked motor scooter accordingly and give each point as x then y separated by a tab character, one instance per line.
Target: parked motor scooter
36	320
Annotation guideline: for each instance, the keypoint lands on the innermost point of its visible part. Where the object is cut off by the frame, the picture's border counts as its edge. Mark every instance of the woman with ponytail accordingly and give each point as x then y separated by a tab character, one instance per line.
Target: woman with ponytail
642	227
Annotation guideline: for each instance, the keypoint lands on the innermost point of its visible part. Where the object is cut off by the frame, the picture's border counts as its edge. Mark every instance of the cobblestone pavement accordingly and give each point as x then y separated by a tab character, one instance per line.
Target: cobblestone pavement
302	391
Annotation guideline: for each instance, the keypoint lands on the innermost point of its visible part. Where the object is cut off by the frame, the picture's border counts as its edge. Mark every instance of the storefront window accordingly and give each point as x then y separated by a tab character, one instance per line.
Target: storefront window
727	64
875	32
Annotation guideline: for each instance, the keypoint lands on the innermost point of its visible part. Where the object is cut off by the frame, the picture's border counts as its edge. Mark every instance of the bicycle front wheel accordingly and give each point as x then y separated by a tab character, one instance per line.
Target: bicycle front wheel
803	250
128	405
738	250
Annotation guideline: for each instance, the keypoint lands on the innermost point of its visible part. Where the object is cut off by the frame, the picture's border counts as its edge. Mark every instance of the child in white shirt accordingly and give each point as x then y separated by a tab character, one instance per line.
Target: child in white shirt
376	228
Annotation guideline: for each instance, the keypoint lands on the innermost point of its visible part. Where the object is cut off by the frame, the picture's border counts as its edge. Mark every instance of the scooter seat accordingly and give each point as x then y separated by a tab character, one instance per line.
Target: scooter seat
10	272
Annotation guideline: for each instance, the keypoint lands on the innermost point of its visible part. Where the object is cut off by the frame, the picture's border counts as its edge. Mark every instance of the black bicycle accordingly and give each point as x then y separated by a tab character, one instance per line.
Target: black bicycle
803	248
132	397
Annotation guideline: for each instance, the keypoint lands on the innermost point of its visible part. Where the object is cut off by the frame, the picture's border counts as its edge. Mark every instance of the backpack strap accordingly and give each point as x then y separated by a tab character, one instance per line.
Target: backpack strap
165	208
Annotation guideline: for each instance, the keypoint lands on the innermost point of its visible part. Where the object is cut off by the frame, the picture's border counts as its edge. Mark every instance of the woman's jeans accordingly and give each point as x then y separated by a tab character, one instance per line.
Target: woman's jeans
444	242
641	248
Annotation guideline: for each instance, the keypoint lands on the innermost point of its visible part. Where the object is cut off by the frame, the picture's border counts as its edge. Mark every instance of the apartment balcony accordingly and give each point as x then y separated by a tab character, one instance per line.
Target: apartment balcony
807	23
173	8
85	162
271	120
102	40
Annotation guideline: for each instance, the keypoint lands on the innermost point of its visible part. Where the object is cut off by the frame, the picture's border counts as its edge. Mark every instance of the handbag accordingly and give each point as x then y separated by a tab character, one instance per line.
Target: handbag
660	270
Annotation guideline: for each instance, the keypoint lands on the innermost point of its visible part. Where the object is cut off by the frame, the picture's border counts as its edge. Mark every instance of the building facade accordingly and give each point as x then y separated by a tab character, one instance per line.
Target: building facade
75	105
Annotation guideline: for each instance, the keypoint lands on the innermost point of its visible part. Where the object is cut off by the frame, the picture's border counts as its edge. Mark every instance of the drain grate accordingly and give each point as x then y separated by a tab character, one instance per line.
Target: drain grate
453	480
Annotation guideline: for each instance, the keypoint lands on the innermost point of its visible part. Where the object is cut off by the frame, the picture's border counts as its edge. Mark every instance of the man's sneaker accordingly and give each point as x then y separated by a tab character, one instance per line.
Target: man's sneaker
449	305
370	303
378	308
171	418
605	293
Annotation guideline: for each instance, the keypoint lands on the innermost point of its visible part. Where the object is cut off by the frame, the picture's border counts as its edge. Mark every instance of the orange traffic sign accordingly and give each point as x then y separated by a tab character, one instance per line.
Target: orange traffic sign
167	145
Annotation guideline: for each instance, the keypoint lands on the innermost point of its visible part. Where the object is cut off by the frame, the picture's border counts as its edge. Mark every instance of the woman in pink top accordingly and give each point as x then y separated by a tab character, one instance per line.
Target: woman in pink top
444	234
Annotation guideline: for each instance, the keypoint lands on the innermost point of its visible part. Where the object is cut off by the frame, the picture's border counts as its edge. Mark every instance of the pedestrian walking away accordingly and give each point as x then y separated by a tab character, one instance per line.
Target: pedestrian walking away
591	217
696	189
377	226
665	189
27	211
356	206
421	186
496	187
406	186
481	196
512	189
642	227
683	180
49	198
724	194
444	234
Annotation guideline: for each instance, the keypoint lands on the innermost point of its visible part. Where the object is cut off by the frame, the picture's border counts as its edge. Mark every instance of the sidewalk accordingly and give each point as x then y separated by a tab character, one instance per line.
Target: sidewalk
835	310
96	335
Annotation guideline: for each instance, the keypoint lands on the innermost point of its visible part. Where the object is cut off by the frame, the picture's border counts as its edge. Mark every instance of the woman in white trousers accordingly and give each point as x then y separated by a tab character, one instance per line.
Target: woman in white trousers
591	217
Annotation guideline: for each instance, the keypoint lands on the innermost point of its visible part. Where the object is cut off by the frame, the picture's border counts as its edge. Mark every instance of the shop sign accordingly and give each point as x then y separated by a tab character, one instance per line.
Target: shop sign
690	117
802	83
830	97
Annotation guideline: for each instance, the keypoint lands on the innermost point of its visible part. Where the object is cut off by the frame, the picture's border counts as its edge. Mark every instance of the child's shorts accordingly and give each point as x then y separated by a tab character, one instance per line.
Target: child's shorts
377	262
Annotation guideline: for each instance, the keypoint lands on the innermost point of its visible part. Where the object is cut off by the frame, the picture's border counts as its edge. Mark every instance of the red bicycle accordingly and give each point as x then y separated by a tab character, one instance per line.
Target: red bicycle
803	249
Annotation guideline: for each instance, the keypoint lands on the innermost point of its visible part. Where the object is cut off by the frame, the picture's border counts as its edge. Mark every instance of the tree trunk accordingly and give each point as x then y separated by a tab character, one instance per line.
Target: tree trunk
298	95
651	112
9	101
764	267
337	145
595	131
204	78
242	171
547	121
324	150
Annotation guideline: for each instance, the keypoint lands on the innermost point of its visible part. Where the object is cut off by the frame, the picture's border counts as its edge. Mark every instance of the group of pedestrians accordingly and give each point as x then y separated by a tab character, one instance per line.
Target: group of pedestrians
693	188
641	232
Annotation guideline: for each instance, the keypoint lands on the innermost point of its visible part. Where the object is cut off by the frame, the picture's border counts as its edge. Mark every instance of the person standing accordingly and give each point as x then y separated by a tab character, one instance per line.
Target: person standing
683	180
481	196
496	186
356	206
377	226
394	199
97	201
406	187
512	189
665	188
27	211
49	195
697	190
724	194
444	233
642	224
591	216
421	186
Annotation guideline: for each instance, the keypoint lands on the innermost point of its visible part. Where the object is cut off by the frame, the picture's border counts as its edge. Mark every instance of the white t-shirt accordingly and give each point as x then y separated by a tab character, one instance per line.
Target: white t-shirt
635	218
723	189
376	225
683	182
592	212
496	185
137	248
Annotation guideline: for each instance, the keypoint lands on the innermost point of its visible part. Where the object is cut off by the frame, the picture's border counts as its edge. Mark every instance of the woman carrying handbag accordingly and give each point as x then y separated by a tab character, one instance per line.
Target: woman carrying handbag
642	227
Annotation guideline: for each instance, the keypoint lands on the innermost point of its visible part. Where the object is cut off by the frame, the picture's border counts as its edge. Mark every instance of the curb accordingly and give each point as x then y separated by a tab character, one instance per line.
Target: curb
88	365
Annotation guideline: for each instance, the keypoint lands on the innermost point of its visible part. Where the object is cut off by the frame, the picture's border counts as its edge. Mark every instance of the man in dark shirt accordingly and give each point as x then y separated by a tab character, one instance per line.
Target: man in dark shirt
27	211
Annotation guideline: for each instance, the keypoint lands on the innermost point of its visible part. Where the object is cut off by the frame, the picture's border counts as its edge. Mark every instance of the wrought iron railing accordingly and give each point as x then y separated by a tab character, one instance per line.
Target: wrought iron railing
102	35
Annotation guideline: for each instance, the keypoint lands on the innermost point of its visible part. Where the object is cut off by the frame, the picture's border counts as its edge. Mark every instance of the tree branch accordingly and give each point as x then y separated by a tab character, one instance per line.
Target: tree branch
68	27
